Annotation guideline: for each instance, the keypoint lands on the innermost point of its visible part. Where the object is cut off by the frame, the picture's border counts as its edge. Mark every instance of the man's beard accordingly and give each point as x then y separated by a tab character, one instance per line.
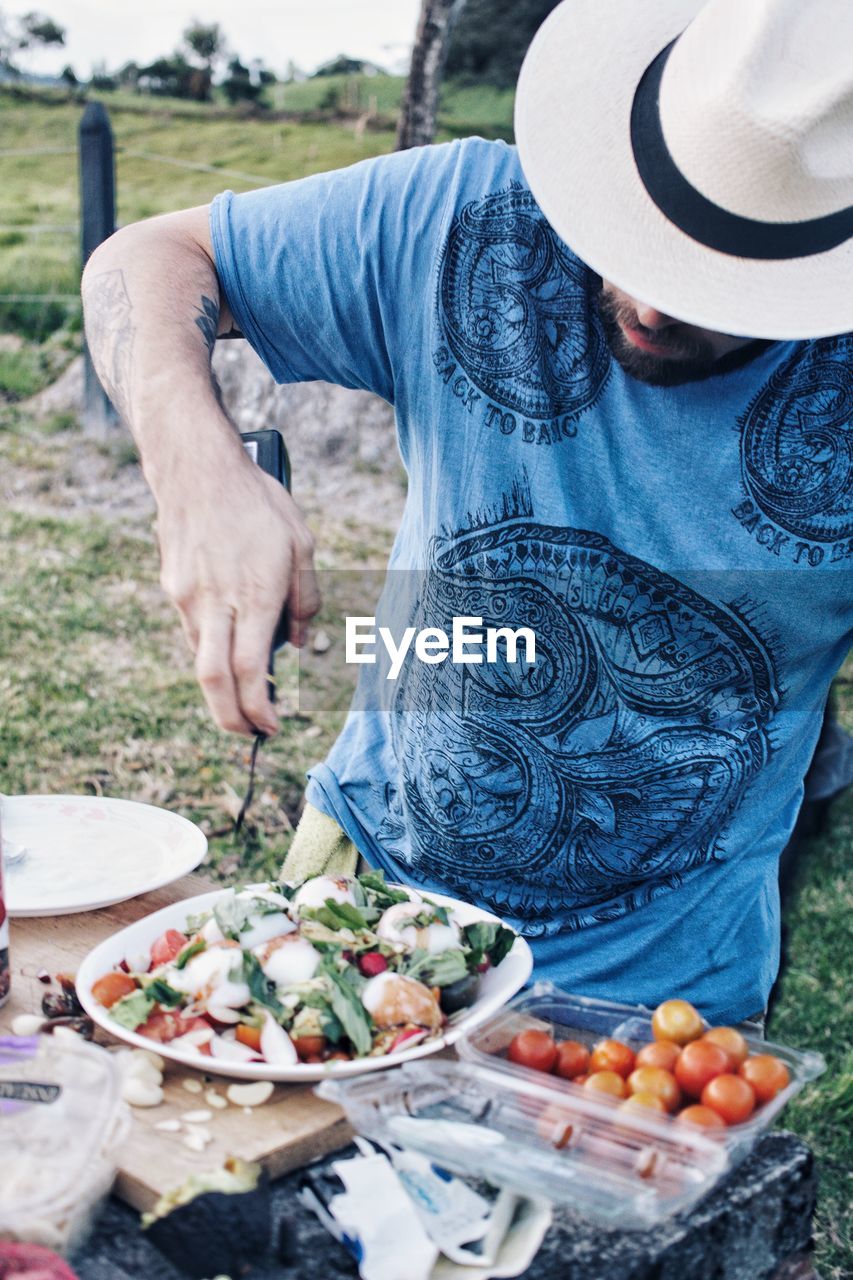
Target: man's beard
691	359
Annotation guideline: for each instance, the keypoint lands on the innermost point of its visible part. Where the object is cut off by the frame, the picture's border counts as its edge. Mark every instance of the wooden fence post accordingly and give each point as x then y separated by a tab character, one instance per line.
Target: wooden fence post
98	222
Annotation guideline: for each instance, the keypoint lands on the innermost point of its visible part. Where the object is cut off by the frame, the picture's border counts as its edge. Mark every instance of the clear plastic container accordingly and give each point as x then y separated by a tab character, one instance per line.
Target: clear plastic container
569	1017
543	1136
61	1123
524	1135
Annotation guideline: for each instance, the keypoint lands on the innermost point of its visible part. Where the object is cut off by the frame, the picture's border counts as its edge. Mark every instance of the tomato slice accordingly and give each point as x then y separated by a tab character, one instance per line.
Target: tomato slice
112	987
162	1025
249	1036
167	946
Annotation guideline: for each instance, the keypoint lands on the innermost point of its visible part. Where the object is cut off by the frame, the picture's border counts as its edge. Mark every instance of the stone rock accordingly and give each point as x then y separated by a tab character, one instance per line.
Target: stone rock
752	1225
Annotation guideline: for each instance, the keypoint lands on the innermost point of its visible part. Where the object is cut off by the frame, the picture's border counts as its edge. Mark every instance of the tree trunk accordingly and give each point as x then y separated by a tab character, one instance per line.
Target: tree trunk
418	113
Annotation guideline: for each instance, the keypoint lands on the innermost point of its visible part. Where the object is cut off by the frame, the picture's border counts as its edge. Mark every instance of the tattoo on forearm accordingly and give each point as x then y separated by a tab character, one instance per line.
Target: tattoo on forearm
208	321
109	332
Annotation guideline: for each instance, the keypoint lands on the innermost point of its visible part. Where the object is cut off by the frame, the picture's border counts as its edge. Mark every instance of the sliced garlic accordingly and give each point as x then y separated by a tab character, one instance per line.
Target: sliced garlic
27	1024
140	1093
192	1085
148	1055
250	1095
168	1126
197	1117
197	1139
216	1100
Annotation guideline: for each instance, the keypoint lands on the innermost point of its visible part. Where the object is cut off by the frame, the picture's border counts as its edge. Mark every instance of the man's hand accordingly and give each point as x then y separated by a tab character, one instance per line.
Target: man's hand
234	547
233	552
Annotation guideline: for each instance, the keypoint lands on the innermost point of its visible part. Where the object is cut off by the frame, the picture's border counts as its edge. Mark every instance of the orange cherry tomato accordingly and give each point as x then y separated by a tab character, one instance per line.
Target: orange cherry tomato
660	1053
703	1117
657	1081
572	1059
309	1047
698	1063
732	1041
676	1020
167	946
730	1096
249	1036
534	1049
555	1125
112	987
767	1075
643	1102
612	1055
609	1082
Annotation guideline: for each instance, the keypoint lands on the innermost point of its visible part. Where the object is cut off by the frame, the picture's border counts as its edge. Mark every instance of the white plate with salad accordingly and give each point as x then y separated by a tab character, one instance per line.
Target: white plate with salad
336	976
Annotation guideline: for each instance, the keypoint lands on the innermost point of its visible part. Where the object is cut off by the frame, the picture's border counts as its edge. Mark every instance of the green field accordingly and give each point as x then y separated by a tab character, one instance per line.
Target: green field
96	686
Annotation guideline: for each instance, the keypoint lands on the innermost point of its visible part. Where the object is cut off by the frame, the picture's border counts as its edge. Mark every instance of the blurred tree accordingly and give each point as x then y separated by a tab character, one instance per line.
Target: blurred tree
491	38
17	35
239	86
416	126
207	42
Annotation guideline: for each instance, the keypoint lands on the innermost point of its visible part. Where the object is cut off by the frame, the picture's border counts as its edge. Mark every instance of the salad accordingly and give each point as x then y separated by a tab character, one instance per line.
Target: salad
330	969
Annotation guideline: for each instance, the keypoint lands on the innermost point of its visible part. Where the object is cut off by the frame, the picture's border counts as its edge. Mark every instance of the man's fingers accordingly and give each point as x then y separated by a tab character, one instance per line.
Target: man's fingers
214	672
304	599
250	657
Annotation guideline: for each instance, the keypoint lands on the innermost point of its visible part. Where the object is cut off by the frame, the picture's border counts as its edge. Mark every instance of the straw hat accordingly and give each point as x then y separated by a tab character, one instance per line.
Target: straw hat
700	157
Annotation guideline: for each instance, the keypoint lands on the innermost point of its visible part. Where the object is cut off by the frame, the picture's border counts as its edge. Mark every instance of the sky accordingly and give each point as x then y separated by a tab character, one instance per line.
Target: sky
308	32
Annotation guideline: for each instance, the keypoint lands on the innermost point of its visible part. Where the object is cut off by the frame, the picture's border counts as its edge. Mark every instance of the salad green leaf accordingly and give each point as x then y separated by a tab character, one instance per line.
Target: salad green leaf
131	1011
188	952
382	894
337	915
164	994
438	970
261	987
233	914
350	1012
488	939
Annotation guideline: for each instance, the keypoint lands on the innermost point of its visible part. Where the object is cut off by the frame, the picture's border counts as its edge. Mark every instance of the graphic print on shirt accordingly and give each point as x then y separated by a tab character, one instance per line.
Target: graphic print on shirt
575	789
522	347
797	456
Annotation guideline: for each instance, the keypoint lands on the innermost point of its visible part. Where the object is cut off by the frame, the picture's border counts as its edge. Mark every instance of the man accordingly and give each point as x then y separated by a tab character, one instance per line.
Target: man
668	507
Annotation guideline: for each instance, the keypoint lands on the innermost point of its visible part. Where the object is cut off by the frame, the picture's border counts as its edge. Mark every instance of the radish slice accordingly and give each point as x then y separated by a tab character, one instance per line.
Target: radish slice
193	1039
276	1045
232	1050
221	1013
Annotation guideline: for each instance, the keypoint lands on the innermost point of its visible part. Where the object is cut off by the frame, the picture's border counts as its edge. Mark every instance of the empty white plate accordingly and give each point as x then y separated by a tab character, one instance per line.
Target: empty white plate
85	852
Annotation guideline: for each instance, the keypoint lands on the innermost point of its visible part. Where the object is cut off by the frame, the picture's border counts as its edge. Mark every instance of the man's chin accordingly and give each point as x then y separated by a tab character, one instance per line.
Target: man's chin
657	371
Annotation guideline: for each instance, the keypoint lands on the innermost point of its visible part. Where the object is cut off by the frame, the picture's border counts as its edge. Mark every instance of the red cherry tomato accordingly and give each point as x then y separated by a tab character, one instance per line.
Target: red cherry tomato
612	1055
657	1081
167	946
309	1047
371	963
767	1075
660	1053
164	1026
703	1117
698	1063
732	1041
112	987
608	1082
534	1049
572	1059
676	1020
730	1096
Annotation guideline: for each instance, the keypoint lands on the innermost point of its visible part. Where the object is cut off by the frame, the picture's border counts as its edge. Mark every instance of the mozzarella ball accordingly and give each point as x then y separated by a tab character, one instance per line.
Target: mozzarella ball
394	926
288	961
393	1000
206	977
315	892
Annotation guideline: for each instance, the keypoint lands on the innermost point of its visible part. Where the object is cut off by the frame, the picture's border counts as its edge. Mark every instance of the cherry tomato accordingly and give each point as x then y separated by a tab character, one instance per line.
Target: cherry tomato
572	1059
534	1049
609	1082
704	1117
676	1020
581	1079
730	1096
309	1047
164	1026
732	1041
371	963
767	1075
167	946
249	1036
643	1102
660	1053
612	1055
698	1063
111	988
555	1125
657	1081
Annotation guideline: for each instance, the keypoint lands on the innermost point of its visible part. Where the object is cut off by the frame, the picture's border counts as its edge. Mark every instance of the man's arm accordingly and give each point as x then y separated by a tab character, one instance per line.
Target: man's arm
233	545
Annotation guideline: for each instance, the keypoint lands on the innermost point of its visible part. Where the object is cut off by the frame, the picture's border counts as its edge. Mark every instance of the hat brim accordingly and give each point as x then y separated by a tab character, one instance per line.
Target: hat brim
572	128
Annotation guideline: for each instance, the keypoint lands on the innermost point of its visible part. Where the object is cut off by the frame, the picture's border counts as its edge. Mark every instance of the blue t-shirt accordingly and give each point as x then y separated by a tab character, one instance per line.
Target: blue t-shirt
682	555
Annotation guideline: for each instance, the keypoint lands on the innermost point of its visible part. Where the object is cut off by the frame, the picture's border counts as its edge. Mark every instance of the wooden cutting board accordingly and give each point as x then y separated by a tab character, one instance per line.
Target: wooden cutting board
290	1130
